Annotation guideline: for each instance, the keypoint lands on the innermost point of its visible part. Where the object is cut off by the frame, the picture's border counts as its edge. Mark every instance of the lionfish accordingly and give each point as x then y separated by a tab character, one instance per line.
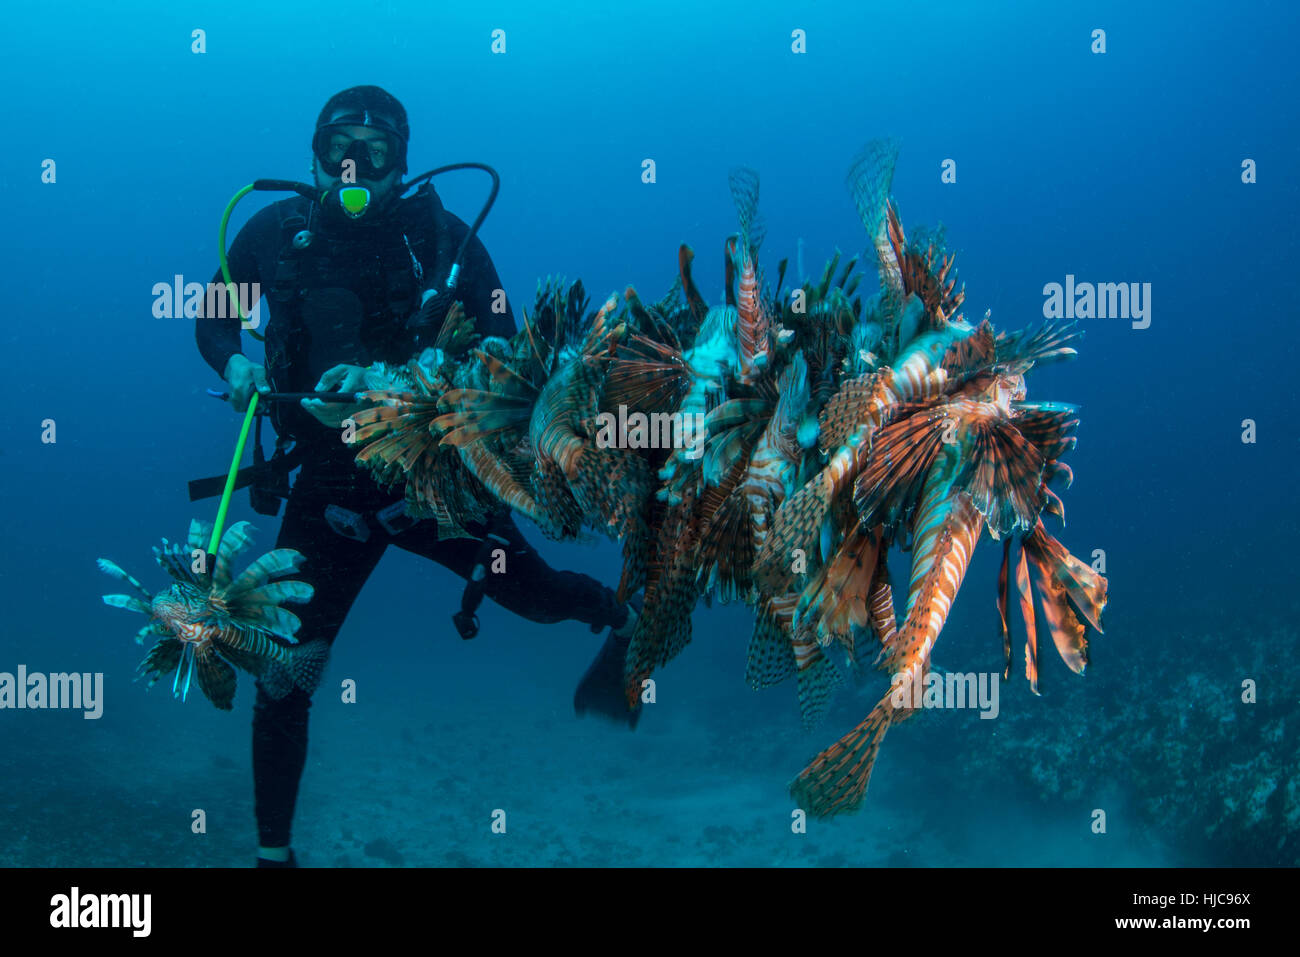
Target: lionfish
208	621
837	429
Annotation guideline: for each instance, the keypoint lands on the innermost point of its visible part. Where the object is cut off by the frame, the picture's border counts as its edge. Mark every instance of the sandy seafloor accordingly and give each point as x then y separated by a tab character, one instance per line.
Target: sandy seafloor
444	732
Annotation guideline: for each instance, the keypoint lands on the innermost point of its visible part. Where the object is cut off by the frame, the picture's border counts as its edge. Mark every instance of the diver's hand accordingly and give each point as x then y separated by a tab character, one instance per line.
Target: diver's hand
244	378
341	378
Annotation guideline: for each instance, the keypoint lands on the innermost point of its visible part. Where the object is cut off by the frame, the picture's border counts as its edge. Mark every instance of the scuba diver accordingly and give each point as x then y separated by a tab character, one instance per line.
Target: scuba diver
357	275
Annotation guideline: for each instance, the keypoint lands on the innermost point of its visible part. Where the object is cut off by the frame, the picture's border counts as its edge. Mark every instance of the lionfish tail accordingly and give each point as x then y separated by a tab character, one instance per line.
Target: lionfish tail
836	780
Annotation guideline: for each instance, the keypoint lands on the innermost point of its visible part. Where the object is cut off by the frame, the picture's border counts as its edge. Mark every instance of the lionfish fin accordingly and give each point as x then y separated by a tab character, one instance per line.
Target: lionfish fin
161	660
836	601
836	780
477	415
216	677
112	569
1003	600
903	451
770	657
815	679
1031	628
1005	477
278	561
796	528
694	301
1069	578
1050	427
724	556
646	376
233	541
851	412
1052	341
129	602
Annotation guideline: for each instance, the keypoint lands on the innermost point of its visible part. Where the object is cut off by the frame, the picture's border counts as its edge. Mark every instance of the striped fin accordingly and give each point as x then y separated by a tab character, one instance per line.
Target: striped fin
161	660
743	182
971	355
277	592
816	679
477	415
733	429
724	554
835	602
870	178
129	602
889	487
854	404
926	274
199	535
796	526
175	561
1052	341
278	561
1005	481
753	325
275	619
1004	595
880	603
153	629
456	334
1085	588
115	571
694	301
1049	426
1031	628
233	542
1067	630
497	475
646	376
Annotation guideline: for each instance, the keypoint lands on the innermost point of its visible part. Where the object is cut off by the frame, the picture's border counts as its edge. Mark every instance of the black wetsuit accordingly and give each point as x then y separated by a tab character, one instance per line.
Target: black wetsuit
344	298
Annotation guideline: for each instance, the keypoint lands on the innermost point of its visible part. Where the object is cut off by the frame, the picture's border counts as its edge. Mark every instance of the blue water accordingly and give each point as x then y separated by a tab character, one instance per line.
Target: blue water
1123	166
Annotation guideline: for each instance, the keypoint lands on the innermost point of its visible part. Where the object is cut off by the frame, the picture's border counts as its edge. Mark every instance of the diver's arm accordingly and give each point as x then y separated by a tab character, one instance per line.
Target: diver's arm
218	336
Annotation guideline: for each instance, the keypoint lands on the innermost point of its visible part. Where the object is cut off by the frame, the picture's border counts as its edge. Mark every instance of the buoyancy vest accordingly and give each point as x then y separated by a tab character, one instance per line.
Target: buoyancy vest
346	296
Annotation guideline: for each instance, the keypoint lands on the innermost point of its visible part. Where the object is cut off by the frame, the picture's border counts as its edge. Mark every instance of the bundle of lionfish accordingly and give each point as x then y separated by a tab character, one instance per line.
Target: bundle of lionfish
834	429
209	620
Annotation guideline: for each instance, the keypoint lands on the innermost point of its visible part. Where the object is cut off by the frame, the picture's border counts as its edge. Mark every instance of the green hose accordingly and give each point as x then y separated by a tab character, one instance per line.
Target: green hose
230	476
225	265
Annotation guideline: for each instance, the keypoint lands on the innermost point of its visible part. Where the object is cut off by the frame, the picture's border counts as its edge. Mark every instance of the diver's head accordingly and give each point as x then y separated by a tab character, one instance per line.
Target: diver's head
359	153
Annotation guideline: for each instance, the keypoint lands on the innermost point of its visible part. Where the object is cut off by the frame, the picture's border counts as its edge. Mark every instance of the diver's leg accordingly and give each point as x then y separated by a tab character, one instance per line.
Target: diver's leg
534	590
529	587
337	568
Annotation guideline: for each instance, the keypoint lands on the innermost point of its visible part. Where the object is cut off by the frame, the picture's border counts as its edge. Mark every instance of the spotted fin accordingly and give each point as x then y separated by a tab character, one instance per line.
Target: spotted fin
836	780
216	678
